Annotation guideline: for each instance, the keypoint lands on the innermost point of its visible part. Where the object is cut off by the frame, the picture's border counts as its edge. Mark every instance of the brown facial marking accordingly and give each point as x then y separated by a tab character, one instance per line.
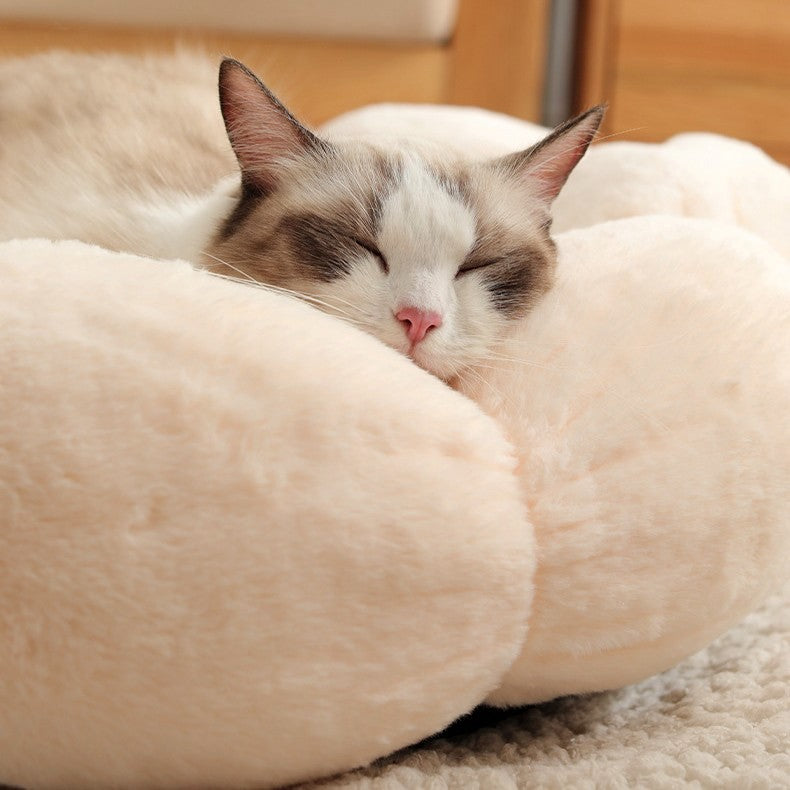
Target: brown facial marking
302	230
323	245
455	184
516	280
386	171
248	203
514	276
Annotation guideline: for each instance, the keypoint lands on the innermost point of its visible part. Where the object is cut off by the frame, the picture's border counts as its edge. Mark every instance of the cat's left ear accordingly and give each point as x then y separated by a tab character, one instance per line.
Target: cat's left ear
548	164
263	133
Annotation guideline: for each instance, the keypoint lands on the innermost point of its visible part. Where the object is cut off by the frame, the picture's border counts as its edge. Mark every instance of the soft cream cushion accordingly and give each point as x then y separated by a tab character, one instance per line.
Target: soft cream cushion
244	544
693	175
241	542
649	401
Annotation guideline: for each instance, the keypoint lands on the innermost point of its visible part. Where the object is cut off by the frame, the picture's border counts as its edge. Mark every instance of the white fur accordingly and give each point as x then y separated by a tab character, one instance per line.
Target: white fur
114	150
425	234
181	227
162	226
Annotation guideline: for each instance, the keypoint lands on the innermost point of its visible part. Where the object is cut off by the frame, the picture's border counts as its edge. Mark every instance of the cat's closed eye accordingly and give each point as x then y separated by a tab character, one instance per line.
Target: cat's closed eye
471	266
374	251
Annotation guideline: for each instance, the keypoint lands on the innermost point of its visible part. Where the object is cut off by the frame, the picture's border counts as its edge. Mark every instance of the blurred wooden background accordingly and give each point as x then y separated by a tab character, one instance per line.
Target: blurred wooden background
664	66
667	66
490	59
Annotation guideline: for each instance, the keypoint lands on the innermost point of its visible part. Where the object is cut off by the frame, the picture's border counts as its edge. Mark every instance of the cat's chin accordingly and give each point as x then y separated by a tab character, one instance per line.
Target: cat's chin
430	363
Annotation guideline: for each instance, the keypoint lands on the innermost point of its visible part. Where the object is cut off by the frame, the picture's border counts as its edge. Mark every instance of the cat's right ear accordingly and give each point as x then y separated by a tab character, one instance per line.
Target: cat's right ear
263	134
547	164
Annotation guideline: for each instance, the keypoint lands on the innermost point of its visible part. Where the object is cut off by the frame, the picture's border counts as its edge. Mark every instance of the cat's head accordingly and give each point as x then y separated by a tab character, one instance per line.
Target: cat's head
432	255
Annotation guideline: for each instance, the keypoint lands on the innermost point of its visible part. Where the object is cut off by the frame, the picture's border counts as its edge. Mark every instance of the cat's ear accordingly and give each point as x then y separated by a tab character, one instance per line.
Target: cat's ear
548	164
262	132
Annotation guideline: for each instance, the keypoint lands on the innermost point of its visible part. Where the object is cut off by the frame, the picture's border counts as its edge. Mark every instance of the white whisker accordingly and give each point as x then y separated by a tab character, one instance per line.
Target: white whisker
230	266
252	282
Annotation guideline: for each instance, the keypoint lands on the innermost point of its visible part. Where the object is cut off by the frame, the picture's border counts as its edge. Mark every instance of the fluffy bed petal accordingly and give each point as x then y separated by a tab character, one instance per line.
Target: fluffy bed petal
241	542
648	401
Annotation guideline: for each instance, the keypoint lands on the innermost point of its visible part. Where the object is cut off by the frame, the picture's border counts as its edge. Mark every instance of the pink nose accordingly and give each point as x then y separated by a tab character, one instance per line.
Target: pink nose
417	323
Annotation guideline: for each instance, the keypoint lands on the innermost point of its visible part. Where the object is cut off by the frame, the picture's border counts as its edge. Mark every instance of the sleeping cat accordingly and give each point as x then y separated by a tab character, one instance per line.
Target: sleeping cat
432	254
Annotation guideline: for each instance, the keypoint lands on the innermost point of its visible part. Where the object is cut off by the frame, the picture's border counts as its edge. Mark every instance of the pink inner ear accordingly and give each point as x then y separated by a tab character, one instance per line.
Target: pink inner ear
549	163
261	130
551	174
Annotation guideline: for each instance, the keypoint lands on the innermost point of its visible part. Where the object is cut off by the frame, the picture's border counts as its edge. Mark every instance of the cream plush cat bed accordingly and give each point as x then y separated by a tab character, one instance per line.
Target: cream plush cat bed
244	544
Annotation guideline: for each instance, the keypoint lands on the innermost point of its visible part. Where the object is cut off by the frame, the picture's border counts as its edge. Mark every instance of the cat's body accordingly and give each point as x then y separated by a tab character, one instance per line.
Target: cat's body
113	150
430	252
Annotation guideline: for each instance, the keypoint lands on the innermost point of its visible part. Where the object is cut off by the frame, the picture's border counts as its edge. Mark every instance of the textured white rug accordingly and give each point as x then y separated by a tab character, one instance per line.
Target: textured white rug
721	719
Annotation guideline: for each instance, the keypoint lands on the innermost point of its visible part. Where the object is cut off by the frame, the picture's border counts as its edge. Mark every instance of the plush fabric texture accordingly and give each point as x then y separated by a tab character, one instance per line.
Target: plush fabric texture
648	398
691	175
242	543
470	131
669	369
718	720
